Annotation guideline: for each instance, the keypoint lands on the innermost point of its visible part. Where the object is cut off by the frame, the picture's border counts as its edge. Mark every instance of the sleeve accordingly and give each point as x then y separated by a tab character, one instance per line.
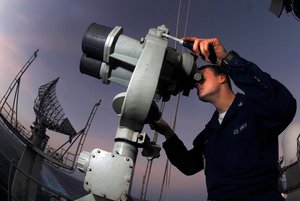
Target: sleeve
189	162
274	105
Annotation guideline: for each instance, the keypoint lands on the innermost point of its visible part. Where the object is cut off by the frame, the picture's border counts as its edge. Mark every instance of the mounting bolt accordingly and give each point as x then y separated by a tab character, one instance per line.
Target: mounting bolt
142	40
140	137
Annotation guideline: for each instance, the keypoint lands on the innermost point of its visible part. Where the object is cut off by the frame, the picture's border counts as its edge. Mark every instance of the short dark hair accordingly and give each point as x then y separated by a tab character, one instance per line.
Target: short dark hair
218	70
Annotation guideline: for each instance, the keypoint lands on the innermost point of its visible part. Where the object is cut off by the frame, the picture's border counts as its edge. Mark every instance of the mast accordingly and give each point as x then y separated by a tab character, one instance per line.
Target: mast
15	84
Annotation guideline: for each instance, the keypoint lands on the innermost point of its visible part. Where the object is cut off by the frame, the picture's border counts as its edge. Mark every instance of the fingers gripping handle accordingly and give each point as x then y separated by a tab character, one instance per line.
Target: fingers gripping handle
212	55
190	45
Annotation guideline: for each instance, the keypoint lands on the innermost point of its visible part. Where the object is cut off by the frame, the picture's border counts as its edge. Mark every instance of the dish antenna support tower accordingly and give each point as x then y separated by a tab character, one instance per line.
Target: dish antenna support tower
49	114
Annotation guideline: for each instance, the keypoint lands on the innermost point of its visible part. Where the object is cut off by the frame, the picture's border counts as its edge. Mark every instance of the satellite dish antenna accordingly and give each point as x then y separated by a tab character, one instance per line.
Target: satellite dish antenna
276	7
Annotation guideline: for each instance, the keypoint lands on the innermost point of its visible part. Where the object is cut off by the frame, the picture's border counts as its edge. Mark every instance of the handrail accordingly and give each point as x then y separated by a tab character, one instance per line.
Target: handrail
14	167
7	114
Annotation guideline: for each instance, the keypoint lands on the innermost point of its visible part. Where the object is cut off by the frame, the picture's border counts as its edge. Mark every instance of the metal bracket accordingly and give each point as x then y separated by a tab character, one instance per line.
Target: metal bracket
108	175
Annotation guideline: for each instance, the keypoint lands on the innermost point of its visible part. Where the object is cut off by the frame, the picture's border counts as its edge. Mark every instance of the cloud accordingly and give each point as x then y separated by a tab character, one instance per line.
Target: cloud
23	19
8	45
9	61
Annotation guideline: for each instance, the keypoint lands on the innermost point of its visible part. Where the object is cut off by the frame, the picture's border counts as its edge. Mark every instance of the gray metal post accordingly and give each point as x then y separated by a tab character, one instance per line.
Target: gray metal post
22	188
109	175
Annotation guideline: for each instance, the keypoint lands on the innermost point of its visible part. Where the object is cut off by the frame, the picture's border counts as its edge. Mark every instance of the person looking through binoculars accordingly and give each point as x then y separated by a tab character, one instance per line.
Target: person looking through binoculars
238	148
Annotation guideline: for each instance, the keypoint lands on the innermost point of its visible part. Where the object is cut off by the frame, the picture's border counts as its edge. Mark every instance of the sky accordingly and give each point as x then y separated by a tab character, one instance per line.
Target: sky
56	28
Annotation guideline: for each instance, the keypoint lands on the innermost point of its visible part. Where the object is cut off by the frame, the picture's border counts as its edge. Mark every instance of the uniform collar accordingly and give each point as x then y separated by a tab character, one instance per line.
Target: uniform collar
237	104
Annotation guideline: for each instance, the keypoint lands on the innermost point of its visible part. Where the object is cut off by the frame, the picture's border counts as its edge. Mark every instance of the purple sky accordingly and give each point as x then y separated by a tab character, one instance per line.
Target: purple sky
56	27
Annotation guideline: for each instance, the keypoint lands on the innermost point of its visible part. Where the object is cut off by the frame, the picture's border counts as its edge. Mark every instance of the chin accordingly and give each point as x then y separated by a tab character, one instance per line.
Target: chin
202	99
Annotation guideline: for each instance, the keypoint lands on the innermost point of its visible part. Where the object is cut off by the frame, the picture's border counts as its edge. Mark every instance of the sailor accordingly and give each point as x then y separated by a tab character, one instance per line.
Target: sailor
238	147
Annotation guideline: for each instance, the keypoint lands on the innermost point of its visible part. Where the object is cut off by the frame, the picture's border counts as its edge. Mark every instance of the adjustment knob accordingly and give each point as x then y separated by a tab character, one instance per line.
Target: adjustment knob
83	161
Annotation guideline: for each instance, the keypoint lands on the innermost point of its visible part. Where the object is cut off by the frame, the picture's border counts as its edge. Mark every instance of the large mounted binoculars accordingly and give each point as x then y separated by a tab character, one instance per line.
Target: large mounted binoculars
110	55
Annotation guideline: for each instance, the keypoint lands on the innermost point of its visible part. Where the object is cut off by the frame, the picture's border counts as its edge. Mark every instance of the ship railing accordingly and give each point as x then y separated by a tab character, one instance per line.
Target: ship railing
43	190
62	155
10	115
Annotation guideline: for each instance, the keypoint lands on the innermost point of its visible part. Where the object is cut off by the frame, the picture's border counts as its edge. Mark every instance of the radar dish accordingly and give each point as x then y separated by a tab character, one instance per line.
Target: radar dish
49	112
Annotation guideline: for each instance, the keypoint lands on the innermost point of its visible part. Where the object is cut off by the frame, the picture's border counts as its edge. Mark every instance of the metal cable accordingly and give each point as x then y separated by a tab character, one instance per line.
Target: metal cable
148	170
167	173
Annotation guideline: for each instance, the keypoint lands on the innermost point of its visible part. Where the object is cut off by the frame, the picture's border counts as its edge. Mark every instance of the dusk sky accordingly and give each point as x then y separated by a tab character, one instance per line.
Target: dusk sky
56	28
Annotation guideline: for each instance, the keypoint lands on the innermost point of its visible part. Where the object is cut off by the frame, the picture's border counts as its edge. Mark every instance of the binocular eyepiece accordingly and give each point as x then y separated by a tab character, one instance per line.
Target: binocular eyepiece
198	77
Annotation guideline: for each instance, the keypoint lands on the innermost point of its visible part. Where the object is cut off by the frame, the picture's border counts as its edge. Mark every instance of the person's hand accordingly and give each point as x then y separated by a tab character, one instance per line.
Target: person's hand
209	49
162	127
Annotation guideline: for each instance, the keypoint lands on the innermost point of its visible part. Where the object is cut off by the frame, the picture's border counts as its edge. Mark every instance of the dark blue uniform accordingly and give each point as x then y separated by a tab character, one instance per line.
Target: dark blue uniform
240	156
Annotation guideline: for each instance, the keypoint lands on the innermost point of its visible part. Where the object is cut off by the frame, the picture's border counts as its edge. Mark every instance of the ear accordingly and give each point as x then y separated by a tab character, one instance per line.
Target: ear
222	78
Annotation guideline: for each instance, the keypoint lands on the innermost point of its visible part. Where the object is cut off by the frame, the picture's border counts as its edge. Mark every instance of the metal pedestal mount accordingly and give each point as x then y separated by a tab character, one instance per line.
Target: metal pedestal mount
149	69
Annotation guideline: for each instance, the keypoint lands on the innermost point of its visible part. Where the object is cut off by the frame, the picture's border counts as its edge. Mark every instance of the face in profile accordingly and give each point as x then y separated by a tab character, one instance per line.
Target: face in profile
209	86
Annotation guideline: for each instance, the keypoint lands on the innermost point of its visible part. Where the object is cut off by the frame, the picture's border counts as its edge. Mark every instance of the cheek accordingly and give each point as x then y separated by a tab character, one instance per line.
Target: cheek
210	84
207	86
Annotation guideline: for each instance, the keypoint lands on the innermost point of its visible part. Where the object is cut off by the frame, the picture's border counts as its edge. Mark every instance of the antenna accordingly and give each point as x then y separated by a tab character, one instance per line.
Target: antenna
50	115
49	112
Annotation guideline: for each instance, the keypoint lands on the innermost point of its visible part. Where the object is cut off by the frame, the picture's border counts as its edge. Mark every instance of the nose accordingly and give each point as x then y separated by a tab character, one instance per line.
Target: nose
198	85
200	82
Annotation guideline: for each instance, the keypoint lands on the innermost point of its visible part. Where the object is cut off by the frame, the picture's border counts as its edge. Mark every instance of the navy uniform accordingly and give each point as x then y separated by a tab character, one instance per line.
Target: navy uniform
240	155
